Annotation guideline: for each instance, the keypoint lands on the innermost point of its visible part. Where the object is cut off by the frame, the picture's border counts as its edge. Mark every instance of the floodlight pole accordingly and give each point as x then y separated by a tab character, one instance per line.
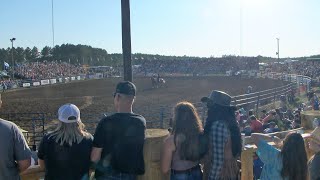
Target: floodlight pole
52	23
13	39
278	49
126	40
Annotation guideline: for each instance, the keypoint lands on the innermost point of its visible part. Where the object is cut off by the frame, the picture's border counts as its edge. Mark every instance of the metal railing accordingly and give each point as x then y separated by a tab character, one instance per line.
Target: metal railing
32	125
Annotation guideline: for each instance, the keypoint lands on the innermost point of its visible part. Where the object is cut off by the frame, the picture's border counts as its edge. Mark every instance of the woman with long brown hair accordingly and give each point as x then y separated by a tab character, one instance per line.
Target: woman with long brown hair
223	132
180	151
289	163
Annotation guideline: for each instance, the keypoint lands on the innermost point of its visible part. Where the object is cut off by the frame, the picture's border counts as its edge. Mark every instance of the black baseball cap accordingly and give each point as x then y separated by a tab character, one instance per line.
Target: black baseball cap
126	87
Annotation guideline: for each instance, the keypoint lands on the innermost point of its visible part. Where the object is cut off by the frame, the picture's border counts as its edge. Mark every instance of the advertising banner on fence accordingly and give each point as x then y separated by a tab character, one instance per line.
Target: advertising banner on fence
36	83
91	76
60	79
99	75
73	78
53	81
78	78
26	85
45	82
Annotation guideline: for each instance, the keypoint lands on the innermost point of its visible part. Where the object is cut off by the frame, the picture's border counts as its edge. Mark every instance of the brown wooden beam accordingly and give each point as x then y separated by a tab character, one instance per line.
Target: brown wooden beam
126	40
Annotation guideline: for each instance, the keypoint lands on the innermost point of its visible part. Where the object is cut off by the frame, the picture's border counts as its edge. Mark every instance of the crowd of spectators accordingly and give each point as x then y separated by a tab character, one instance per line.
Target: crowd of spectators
8	84
44	70
279	119
269	122
306	68
197	65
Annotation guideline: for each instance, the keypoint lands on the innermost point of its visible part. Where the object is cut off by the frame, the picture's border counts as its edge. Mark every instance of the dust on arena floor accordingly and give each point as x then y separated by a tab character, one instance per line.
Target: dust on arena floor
94	97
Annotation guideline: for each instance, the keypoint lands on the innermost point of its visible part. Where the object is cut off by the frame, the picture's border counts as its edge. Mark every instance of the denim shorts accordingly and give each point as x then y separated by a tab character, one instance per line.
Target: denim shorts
193	174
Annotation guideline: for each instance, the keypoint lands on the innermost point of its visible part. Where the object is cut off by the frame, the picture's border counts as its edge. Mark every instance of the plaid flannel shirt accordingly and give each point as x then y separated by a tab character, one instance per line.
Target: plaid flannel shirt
219	136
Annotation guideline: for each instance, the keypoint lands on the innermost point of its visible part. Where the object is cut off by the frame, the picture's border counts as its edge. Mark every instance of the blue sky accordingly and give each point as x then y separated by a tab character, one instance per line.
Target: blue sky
169	27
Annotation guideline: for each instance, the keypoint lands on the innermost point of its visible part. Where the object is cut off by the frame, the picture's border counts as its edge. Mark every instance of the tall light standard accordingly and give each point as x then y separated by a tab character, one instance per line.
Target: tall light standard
13	39
277	53
52	23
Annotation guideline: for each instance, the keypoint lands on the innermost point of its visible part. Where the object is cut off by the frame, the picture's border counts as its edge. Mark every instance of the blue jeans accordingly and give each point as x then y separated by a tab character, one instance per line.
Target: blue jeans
194	174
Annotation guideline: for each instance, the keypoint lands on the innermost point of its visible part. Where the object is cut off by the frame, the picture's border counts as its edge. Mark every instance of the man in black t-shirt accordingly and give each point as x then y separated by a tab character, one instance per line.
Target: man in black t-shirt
117	151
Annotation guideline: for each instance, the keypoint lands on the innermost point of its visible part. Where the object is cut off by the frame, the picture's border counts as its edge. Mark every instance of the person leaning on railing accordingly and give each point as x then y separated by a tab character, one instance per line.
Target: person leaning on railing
117	151
180	153
64	154
314	145
15	155
289	163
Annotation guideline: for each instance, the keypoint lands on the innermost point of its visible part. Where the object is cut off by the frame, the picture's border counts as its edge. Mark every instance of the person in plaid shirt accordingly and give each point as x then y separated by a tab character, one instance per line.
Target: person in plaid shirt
224	137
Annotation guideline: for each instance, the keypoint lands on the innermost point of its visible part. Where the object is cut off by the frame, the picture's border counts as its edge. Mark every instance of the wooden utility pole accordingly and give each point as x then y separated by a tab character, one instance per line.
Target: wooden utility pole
126	40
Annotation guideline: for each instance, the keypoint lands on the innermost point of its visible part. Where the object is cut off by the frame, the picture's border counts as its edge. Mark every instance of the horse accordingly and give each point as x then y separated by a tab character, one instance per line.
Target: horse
157	82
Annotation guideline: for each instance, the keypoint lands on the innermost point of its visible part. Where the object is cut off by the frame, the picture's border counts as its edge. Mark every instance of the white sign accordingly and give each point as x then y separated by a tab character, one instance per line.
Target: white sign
53	81
60	79
99	75
26	85
78	78
73	78
36	83
45	82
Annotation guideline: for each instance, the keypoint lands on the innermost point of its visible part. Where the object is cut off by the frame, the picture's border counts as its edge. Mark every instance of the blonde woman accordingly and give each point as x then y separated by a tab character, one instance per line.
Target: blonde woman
64	154
180	153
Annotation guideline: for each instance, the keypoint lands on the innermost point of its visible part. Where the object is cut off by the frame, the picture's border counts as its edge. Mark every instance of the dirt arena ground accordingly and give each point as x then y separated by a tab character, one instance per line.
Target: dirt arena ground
94	97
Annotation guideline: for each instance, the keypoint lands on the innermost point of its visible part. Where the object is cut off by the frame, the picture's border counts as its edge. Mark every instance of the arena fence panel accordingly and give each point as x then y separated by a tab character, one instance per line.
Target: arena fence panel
32	125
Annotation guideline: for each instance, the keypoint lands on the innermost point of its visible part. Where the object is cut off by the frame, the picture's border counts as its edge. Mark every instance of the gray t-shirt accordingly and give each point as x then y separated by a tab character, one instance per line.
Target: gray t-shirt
13	148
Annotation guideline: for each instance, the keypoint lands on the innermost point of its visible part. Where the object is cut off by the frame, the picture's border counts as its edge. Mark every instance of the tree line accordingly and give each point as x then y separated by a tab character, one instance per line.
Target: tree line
75	54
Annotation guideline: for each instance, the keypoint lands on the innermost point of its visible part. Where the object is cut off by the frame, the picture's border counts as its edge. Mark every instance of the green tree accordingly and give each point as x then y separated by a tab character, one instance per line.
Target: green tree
28	54
4	57
46	52
19	55
34	53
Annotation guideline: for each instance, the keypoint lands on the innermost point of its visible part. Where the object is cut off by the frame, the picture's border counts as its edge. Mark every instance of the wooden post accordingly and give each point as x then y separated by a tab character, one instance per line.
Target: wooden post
247	164
307	118
126	40
152	150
